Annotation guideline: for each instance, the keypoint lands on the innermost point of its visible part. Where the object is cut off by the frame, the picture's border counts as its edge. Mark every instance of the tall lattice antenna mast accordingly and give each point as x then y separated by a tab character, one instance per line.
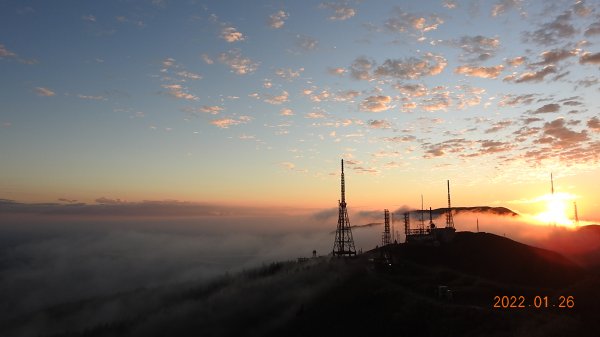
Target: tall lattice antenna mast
576	216
386	238
449	219
344	243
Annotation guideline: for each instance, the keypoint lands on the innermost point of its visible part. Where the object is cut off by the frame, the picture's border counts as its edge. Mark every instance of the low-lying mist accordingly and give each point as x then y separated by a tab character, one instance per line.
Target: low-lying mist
50	259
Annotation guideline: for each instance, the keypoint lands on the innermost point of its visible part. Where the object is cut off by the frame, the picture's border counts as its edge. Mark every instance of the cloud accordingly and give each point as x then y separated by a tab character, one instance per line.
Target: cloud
376	103
189	75
411	68
41	91
554	56
177	91
277	20
207	59
237	63
483	72
361	67
287	165
412	90
341	10
306	43
548	108
403	22
280	99
231	34
593	29
498	126
379	124
225	123
491	146
532	76
588	57
336	71
286	112
401	139
4	52
315	115
89	18
505	5
554	31
288	73
517	61
88	97
477	48
594	124
211	109
558	134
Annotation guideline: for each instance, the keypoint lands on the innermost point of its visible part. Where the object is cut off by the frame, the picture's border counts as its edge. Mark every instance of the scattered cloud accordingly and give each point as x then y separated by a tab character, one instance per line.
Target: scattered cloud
483	72
554	31
231	34
207	59
95	98
477	48
41	91
409	69
588	57
189	75
376	103
89	18
211	109
315	115
498	126
178	91
279	99
516	61
339	71
341	10
557	134
536	76
288	73
548	108
405	22
554	56
594	124
287	165
379	124
306	43
5	53
286	112
237	63
277	20
504	6
593	29
225	123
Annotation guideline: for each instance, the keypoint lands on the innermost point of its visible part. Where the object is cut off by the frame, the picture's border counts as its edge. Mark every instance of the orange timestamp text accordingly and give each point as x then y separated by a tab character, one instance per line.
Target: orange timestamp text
537	302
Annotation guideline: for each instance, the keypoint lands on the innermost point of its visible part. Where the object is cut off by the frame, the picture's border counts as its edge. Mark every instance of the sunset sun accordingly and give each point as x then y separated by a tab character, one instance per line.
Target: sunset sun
556	211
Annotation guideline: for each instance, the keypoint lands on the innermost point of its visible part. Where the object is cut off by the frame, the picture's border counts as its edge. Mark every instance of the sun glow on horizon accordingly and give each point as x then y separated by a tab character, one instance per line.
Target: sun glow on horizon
557	210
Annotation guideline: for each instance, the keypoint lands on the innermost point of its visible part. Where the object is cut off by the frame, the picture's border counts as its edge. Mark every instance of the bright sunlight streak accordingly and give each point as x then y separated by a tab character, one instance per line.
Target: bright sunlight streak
558	209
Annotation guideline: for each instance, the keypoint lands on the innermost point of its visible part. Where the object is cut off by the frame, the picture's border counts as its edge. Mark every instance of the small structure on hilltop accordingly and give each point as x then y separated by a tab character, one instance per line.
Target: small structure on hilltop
432	235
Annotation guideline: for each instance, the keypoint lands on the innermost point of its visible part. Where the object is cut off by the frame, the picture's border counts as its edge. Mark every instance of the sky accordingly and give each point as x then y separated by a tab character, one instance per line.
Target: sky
252	104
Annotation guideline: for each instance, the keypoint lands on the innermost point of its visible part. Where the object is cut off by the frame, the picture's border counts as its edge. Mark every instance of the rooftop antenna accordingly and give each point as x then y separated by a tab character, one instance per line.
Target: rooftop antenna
431	224
552	190
344	243
576	216
449	219
422	211
477	225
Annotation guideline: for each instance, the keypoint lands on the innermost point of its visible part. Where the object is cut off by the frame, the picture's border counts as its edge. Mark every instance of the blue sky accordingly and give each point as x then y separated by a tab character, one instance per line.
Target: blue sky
254	102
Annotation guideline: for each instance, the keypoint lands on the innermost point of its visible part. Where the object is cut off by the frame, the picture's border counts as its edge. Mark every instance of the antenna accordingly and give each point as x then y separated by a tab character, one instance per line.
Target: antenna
422	211
576	216
477	225
449	219
344	243
386	228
